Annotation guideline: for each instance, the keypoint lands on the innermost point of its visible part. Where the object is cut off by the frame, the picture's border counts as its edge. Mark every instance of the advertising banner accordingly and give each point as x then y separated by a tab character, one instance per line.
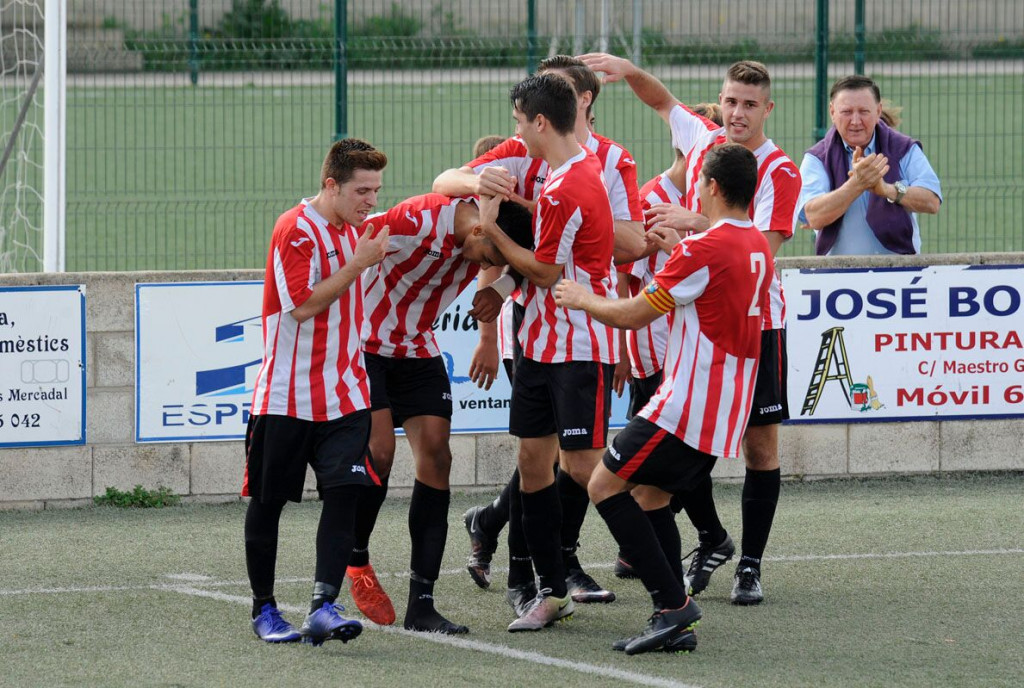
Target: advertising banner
930	343
42	365
199	347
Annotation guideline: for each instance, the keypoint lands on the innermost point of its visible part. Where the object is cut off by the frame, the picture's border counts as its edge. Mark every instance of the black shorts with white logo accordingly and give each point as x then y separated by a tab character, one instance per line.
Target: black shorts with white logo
572	400
277	449
409	387
770	406
518	313
641	389
646	454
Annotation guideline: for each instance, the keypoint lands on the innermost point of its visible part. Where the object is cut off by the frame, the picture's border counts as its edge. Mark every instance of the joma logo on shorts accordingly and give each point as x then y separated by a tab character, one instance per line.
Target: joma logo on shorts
771	409
615	454
570	432
359	469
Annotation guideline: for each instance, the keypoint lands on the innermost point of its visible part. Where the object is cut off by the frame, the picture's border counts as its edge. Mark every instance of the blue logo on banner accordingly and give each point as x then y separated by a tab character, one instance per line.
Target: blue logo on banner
230	380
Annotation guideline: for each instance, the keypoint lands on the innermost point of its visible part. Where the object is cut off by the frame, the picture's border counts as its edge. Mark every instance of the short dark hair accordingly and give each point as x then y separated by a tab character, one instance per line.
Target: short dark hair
583	77
752	73
348	155
549	95
855	82
517	222
735	169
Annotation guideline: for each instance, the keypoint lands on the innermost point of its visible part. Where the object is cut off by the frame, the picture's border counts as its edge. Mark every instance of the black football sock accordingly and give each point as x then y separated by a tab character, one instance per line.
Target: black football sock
635	535
370	502
520	566
334	534
261	522
428	529
542	524
760	497
575	501
663	521
323	593
699	504
258	602
493	517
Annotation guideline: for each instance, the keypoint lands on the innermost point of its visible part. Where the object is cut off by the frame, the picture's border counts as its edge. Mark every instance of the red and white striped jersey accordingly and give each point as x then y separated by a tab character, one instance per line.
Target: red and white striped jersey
572	227
421	275
646	346
311	370
530	173
778	188
716	282
619	170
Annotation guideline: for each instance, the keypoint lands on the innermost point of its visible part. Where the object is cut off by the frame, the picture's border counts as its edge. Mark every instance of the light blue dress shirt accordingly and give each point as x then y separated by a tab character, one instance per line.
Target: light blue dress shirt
855	236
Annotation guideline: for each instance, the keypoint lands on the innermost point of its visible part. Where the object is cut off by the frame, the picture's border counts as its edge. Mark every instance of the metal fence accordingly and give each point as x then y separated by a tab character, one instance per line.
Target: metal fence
192	124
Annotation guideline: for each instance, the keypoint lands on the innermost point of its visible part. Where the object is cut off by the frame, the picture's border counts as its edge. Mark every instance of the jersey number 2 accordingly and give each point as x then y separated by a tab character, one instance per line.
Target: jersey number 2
758	265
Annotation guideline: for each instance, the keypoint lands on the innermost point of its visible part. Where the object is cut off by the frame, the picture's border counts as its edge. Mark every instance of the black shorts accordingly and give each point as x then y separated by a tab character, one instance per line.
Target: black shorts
409	387
770	406
645	454
572	400
641	389
277	449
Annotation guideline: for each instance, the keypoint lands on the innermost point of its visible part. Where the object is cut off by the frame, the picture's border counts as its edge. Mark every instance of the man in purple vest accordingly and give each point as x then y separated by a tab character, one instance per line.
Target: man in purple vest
864	182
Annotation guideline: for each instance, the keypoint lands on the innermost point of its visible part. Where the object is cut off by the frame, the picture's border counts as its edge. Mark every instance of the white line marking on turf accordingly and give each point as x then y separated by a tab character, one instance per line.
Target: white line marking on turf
195	577
209	582
501	650
604	565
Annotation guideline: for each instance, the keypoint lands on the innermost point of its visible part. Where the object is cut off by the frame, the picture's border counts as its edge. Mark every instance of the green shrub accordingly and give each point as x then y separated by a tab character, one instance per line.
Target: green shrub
139	498
999	49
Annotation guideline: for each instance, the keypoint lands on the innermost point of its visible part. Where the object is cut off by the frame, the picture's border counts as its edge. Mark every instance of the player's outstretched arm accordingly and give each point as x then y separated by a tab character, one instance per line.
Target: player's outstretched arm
463	181
626	314
629	241
647	88
370	250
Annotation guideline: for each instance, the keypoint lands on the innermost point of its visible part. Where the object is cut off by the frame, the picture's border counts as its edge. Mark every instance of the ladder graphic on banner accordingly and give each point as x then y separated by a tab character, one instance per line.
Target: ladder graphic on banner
833	349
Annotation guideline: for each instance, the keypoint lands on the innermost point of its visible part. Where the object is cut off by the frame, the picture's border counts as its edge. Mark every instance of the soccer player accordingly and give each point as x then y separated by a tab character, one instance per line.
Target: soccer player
437	247
746	104
716	284
662	199
508	170
311	397
561	390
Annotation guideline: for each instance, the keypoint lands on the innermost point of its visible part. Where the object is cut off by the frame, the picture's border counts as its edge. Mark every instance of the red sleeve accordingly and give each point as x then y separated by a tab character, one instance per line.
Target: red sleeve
627	169
556	221
509	148
294	267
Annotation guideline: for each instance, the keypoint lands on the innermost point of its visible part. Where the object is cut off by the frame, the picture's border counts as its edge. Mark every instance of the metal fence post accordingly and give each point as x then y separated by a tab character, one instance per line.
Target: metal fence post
193	41
340	70
859	37
531	36
821	73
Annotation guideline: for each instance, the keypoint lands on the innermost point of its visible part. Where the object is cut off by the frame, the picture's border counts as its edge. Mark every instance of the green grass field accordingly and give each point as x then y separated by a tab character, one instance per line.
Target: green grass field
897	582
184	178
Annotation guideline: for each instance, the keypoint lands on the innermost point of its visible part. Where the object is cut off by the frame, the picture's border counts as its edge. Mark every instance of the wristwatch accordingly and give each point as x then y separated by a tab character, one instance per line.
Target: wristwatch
901	191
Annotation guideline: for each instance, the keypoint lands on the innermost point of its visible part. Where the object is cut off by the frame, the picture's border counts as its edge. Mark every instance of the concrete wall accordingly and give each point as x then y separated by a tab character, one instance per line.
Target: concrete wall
71	476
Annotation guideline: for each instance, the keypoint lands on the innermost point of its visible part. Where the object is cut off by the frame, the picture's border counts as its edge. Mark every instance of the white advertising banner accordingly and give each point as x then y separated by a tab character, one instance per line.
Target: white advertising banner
42	365
930	343
199	347
475	409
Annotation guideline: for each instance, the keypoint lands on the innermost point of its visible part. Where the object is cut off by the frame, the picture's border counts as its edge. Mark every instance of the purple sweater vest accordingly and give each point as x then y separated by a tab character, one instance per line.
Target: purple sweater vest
889	221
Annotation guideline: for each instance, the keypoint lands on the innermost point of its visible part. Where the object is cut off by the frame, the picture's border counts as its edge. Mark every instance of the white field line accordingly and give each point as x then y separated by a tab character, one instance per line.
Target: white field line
500	650
604	565
207	582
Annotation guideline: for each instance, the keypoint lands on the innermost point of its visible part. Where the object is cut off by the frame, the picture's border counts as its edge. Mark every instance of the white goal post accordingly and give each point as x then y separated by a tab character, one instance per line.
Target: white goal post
33	49
55	44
